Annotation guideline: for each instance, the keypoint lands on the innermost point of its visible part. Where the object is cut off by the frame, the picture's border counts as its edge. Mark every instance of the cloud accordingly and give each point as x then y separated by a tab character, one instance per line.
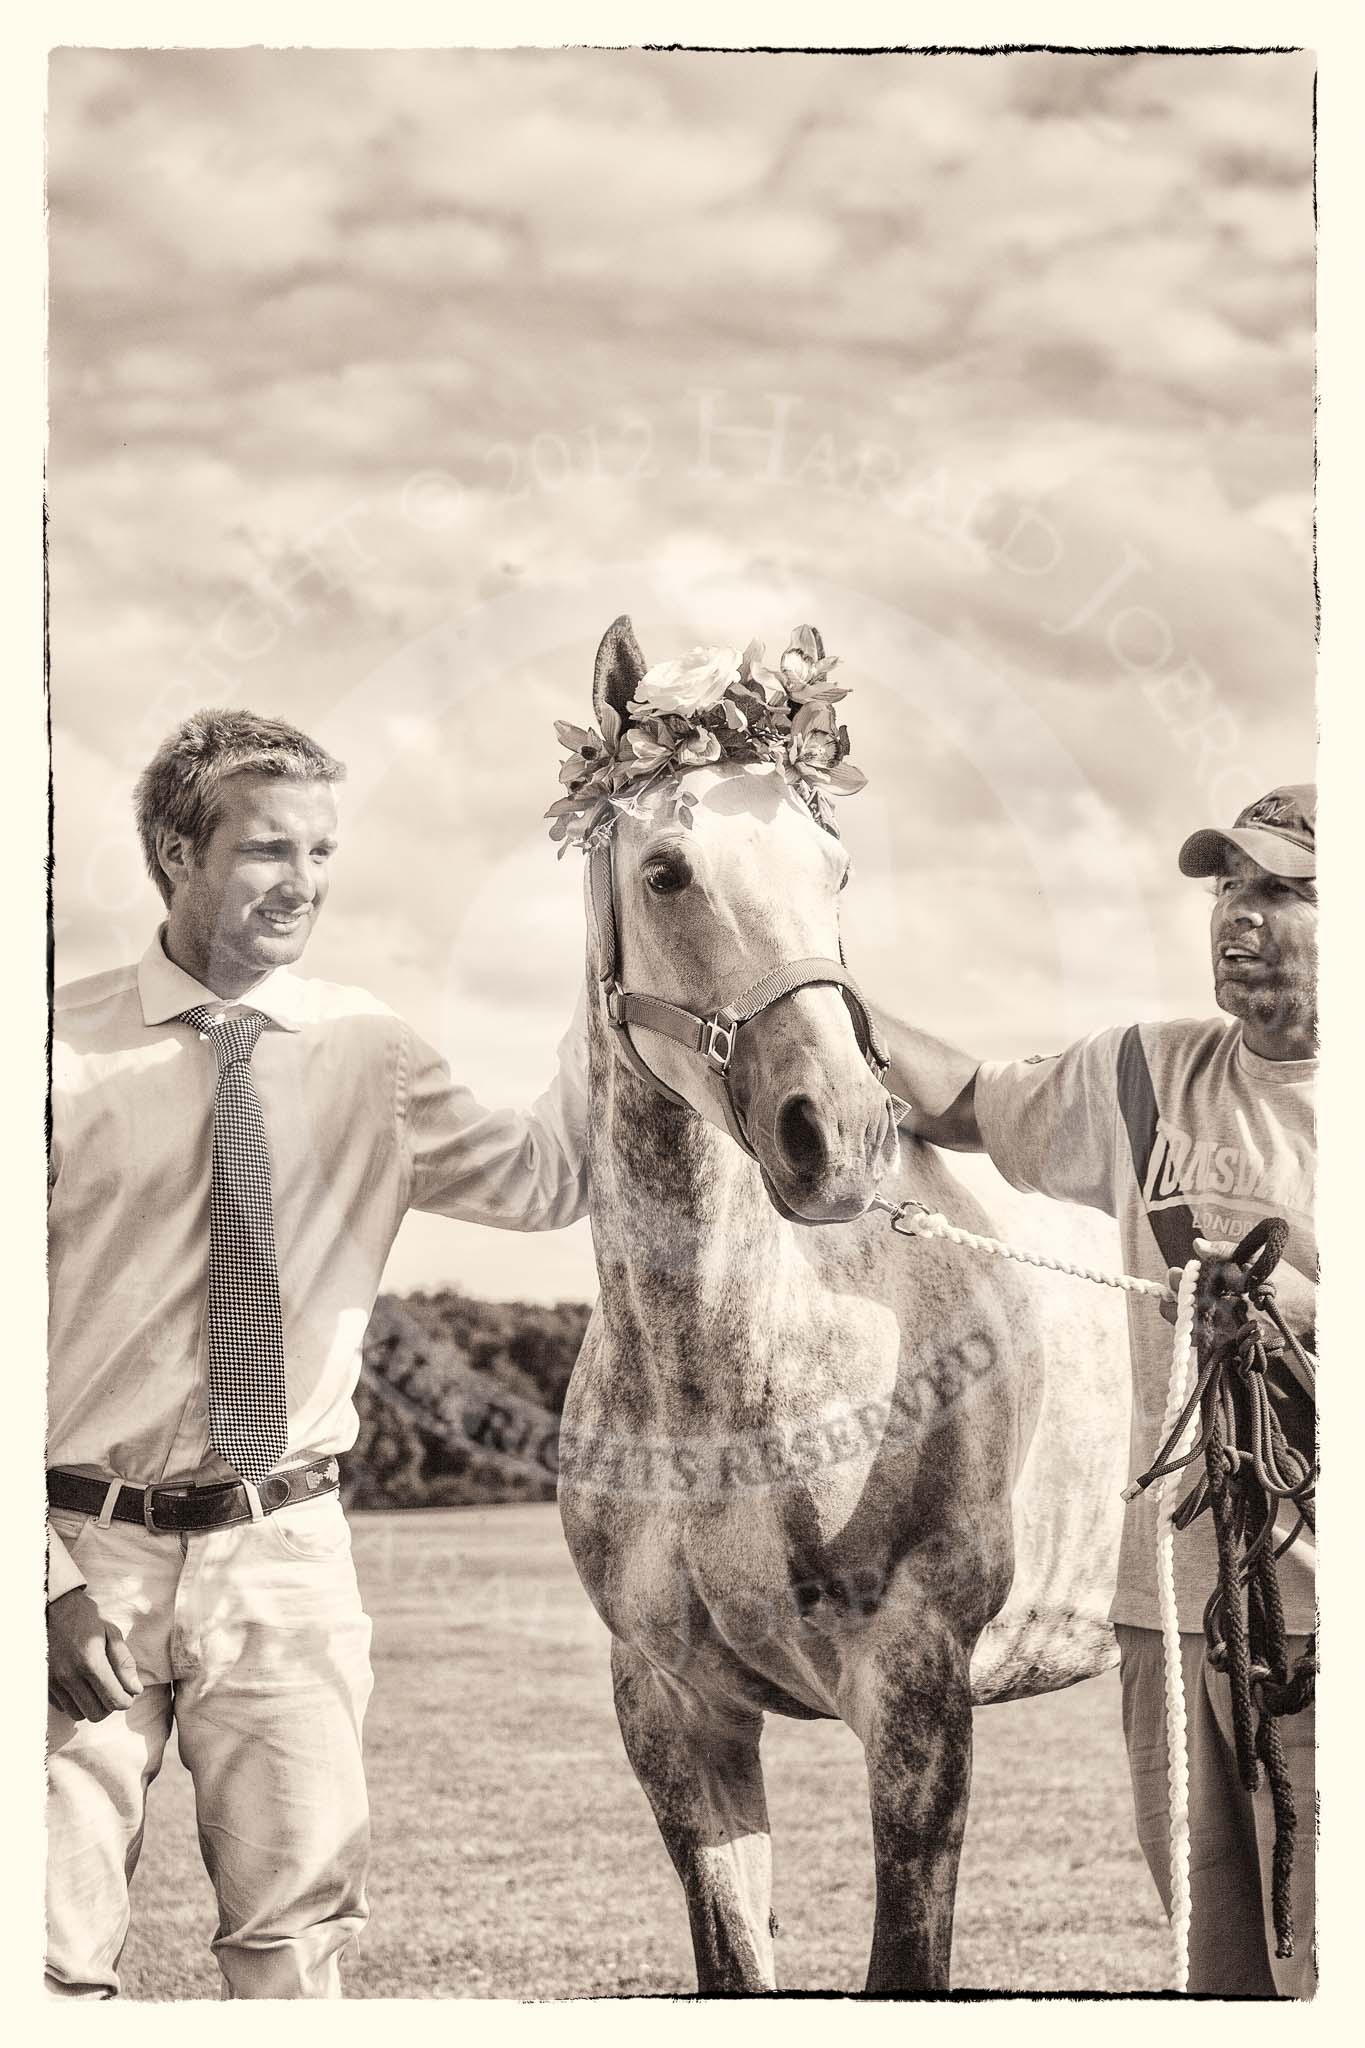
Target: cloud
363	364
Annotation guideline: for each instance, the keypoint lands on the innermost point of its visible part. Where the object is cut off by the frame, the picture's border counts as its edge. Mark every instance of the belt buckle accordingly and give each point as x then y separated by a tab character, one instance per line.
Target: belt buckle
149	1513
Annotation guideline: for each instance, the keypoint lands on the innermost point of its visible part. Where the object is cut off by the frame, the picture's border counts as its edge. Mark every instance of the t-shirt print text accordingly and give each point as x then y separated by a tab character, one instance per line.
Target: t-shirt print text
1185	1168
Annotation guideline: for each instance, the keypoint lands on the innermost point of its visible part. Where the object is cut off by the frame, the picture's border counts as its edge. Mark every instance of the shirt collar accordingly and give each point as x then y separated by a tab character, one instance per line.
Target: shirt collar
166	991
1277	1073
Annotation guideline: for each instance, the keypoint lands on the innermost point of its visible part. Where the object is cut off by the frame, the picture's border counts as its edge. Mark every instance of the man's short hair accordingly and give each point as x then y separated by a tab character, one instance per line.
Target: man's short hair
180	789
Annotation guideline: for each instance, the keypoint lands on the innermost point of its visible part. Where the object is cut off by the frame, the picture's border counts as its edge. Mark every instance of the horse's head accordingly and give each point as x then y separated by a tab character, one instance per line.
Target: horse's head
703	911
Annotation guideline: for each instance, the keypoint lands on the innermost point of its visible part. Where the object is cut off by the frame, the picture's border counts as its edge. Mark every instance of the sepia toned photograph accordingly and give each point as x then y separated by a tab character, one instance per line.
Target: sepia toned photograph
682	1250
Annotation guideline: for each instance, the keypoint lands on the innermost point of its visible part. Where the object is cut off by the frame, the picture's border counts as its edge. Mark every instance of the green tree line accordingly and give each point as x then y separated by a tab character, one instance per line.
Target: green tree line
459	1400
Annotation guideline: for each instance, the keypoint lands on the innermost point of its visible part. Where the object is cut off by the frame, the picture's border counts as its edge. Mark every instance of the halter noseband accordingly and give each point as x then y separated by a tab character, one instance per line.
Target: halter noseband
712	1037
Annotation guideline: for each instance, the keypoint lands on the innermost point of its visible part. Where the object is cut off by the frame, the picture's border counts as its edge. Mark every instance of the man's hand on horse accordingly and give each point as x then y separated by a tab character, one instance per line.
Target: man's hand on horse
91	1673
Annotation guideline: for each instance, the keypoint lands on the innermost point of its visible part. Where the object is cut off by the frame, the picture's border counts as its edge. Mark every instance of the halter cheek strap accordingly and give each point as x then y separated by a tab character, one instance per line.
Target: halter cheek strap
606	946
712	1037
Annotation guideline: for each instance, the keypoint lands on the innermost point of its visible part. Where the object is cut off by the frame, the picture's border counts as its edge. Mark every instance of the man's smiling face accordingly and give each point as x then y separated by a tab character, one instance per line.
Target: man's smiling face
247	902
1264	941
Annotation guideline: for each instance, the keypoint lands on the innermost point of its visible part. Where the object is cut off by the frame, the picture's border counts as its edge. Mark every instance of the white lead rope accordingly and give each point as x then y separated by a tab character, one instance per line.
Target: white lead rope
1184	1372
912	1219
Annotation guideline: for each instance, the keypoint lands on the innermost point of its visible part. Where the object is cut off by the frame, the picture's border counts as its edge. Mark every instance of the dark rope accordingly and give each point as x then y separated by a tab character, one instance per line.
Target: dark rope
1228	1647
1251	1472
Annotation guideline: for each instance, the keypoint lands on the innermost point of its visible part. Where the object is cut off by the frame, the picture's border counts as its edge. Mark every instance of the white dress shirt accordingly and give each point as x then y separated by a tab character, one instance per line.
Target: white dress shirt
364	1123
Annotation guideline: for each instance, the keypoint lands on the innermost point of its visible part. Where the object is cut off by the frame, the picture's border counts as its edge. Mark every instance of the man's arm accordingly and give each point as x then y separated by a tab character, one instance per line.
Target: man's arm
937	1080
513	1169
1048	1124
64	1575
90	1669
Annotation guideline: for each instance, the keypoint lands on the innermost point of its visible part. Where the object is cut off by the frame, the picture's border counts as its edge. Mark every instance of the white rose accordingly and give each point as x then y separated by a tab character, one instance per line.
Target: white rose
692	684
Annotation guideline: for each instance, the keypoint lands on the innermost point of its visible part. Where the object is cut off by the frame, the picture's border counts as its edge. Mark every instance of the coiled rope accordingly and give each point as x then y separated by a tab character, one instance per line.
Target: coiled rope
1251	1471
1240	1474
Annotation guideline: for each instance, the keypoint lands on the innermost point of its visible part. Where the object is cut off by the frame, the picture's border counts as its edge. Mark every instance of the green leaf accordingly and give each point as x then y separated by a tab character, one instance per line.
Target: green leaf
812	714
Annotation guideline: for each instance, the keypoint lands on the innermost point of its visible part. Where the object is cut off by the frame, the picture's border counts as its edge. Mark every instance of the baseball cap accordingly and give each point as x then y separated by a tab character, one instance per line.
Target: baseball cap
1278	832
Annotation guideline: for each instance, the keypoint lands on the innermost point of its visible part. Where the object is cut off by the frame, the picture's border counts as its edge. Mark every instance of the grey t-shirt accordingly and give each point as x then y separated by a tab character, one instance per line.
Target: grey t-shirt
1235	1142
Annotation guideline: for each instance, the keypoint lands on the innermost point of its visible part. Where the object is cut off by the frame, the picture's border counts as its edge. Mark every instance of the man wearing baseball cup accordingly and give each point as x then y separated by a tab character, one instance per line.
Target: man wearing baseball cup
1210	1121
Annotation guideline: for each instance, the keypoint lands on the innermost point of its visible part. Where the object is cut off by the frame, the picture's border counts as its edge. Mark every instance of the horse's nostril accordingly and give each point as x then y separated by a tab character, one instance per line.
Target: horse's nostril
800	1136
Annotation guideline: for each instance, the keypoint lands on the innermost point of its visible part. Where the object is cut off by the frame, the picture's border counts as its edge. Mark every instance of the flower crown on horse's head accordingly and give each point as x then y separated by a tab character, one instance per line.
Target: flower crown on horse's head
711	705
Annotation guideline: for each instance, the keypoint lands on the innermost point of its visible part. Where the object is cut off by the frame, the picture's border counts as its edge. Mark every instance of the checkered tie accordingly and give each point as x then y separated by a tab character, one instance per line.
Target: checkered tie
248	1414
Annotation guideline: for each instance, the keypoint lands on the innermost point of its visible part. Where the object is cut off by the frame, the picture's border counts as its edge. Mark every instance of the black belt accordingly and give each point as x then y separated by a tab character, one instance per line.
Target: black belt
167	1508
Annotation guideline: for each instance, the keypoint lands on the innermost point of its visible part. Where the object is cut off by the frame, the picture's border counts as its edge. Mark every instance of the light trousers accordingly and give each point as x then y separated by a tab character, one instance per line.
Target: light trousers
252	1642
1232	1831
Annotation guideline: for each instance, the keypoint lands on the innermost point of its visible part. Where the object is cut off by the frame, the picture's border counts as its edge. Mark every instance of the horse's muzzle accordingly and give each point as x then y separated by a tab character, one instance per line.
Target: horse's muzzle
820	1170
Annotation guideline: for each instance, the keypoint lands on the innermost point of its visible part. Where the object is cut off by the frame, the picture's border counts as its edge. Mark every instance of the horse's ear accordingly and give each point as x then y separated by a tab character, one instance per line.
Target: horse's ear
620	666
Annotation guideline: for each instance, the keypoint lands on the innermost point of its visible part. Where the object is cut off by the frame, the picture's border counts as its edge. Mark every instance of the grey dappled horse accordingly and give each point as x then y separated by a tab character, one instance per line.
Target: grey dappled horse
810	1467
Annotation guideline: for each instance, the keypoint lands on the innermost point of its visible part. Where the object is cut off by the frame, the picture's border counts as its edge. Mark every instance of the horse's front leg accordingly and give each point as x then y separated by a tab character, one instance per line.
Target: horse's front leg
700	1770
914	1714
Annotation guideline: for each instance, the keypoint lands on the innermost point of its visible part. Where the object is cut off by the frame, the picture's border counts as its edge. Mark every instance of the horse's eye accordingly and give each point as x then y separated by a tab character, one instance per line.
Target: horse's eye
843	879
666	874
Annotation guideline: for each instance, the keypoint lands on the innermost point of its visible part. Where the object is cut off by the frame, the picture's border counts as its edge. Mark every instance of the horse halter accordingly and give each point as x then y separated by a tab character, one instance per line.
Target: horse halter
712	1037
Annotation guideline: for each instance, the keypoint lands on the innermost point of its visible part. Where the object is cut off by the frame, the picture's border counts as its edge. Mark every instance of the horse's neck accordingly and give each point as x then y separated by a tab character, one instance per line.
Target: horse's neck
689	1248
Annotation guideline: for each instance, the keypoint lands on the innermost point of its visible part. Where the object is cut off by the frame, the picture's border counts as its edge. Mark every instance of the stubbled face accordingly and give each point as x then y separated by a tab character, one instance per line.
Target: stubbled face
248	901
703	913
1264	939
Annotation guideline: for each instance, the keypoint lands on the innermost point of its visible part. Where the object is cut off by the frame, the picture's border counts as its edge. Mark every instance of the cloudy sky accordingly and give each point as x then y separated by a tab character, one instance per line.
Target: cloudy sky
381	383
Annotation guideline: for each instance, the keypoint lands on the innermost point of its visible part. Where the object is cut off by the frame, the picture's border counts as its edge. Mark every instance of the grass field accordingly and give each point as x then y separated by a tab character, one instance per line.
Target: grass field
515	1855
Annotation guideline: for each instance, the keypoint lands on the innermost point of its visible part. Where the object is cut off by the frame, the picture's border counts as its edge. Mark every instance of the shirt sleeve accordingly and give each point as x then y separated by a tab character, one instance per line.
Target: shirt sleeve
63	1573
514	1169
1051	1125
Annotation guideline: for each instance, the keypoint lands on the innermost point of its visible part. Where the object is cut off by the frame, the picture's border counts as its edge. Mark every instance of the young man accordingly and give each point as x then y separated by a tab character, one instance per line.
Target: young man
233	1150
1213	1119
